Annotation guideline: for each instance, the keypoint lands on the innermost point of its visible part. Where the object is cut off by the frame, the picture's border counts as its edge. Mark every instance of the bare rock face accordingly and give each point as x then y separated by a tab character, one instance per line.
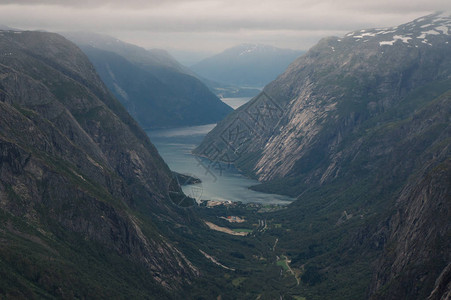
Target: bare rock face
73	162
300	120
361	124
416	260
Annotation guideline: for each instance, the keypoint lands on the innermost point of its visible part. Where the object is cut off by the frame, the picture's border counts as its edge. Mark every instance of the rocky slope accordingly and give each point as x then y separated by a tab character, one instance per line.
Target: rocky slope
155	89
358	126
326	95
246	65
417	255
80	182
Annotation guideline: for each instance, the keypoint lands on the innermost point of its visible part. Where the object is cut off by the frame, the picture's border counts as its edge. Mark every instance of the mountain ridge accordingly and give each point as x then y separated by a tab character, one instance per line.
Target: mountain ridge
155	89
315	83
355	129
75	169
248	65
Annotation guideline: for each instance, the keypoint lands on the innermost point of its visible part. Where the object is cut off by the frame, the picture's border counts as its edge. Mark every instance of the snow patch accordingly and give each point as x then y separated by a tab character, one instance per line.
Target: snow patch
433	32
386	31
442	17
249	48
245	51
363	35
443	29
404	39
387	43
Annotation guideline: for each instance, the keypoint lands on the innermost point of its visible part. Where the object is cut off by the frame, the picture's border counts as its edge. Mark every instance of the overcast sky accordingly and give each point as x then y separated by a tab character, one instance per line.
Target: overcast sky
213	25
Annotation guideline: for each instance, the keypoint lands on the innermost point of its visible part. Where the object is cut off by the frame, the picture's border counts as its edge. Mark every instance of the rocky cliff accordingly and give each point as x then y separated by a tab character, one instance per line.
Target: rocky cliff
80	182
358	130
326	95
416	260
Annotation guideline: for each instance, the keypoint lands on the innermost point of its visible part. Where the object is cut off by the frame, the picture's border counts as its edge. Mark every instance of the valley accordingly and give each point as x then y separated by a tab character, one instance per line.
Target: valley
123	175
220	182
355	129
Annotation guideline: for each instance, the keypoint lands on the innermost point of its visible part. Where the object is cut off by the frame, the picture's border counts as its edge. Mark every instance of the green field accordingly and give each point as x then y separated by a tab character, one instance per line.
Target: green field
283	263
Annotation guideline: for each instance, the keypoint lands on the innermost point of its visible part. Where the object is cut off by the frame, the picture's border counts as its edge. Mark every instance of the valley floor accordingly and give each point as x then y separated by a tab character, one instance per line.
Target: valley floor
253	258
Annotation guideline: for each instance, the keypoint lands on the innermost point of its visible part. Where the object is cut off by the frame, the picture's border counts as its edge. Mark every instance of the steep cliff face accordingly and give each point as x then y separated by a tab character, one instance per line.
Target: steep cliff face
325	96
359	130
74	171
417	253
380	228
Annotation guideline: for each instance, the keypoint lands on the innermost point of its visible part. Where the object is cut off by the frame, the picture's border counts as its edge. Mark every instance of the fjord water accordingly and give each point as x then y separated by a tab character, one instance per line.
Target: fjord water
175	146
235	102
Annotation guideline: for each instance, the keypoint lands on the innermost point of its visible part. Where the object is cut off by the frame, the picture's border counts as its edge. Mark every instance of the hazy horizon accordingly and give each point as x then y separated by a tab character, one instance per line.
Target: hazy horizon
199	28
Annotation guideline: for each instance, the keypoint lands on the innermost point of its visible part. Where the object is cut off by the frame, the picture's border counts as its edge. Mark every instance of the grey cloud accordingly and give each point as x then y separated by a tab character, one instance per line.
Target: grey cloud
214	24
91	3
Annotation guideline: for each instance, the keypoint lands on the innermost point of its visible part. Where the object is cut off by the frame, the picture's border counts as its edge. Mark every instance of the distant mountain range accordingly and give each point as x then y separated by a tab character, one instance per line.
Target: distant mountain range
359	130
4	27
156	89
249	65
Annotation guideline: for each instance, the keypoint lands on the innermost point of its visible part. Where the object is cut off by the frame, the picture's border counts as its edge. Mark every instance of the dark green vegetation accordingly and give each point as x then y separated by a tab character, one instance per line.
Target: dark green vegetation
359	131
85	210
251	265
246	65
154	88
81	186
184	179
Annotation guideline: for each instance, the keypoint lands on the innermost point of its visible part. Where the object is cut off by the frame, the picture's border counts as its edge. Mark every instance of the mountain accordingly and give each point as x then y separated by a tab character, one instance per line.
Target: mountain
4	27
153	60
155	89
357	129
189	57
331	92
418	239
246	65
82	188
